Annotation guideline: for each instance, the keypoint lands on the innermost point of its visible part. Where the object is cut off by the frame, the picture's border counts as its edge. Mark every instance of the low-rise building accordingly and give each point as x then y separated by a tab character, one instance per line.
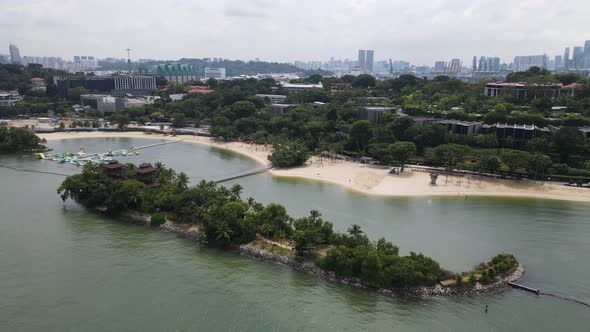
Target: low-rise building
462	127
9	98
198	89
278	109
177	96
216	73
302	86
523	90
373	113
177	72
38	83
115	85
274	99
110	104
516	132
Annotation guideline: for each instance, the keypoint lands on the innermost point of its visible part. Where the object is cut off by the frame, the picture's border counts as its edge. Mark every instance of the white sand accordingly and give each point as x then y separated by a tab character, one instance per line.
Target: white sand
374	180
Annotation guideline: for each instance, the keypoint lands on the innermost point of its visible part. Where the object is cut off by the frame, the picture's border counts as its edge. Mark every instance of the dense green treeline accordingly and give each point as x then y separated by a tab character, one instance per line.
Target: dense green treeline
234	113
18	139
35	101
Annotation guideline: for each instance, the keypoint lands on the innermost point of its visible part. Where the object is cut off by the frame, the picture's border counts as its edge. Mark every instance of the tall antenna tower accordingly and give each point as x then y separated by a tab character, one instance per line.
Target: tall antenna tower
128	60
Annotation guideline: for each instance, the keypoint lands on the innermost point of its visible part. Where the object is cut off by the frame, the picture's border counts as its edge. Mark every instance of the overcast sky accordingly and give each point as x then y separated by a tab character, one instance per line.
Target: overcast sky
420	31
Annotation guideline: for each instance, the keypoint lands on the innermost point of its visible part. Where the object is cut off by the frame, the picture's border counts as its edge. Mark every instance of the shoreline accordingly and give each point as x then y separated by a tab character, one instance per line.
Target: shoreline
370	179
266	256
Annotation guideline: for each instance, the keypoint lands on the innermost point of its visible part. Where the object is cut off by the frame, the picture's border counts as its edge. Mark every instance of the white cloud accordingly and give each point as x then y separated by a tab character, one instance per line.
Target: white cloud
420	31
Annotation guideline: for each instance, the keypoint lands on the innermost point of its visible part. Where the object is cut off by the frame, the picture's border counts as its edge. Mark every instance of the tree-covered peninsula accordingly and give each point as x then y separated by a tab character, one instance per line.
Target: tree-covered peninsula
226	220
18	139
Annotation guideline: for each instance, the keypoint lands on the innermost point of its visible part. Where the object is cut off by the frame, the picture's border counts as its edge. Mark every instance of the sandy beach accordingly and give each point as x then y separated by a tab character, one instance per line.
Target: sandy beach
371	179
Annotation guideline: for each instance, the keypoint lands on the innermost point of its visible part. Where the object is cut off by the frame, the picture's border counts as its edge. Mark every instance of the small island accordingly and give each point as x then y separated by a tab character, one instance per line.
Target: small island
217	216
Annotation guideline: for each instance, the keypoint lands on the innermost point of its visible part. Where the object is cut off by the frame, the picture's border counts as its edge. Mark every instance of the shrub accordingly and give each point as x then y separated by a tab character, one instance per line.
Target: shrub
157	219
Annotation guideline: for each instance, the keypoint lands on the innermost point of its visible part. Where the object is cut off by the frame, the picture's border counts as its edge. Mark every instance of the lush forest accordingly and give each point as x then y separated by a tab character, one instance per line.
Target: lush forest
334	125
226	220
35	101
235	113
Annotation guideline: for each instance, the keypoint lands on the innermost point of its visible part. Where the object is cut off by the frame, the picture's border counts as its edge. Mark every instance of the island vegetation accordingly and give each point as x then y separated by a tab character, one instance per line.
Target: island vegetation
226	220
18	140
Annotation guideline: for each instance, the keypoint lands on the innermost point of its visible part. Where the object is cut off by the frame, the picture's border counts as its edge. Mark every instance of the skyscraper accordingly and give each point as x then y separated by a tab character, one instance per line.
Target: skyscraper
566	58
454	66
14	54
361	59
370	58
587	54
439	66
523	63
578	57
474	66
558	62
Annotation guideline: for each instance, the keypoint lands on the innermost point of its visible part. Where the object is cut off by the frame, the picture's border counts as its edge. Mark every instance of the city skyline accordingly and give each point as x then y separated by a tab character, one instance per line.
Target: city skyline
282	31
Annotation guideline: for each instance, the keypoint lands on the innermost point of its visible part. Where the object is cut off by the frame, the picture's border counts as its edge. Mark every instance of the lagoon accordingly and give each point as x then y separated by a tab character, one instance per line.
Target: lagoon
67	269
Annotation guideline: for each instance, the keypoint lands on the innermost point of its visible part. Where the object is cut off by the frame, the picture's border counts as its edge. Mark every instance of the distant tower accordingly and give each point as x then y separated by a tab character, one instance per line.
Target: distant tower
578	57
128	60
361	59
474	63
390	68
369	61
14	54
566	58
587	54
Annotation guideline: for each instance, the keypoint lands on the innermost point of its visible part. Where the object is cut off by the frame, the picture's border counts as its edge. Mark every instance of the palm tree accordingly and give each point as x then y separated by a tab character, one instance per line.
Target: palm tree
236	191
224	234
355	230
182	181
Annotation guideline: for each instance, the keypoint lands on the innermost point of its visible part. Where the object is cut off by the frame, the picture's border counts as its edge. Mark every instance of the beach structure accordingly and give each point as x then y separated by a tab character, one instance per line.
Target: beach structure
113	168
146	173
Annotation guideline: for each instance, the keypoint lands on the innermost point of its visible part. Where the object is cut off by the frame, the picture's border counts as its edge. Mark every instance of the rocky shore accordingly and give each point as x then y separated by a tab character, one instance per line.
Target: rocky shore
266	256
438	290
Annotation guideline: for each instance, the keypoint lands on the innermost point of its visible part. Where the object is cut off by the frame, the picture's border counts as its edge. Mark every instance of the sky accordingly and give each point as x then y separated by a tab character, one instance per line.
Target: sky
418	31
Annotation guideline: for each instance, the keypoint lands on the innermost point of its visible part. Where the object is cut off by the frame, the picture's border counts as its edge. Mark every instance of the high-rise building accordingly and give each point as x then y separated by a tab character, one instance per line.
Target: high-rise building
474	64
523	63
439	66
361	59
369	61
578	57
14	54
454	66
566	58
488	64
558	62
45	61
587	54
85	62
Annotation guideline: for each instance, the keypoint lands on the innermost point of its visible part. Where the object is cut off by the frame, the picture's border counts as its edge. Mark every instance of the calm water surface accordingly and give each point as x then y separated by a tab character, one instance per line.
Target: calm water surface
65	269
